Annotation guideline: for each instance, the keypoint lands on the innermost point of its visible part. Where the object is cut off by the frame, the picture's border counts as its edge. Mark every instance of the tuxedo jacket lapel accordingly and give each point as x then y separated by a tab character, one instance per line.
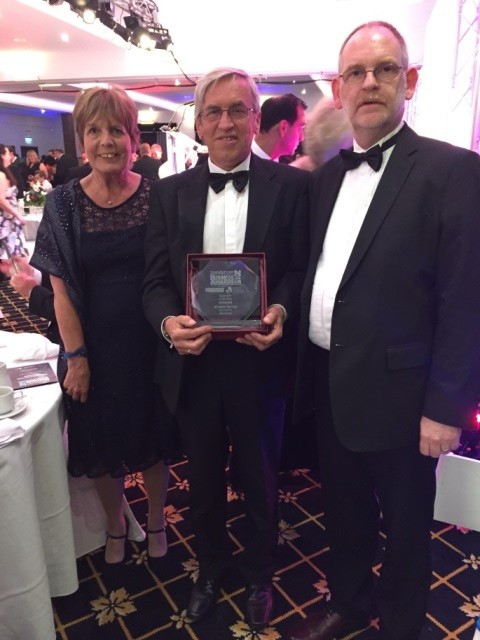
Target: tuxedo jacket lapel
399	166
262	198
192	200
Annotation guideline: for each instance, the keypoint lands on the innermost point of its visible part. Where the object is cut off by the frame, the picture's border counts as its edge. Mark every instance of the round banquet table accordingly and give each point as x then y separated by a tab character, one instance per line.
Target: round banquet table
37	557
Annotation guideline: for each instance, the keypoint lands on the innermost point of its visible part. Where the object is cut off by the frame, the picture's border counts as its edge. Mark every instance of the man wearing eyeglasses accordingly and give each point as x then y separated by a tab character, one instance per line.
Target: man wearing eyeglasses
234	203
390	338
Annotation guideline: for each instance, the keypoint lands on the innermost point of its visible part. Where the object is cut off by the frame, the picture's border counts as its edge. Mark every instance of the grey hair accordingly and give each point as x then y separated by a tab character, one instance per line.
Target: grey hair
220	73
327	130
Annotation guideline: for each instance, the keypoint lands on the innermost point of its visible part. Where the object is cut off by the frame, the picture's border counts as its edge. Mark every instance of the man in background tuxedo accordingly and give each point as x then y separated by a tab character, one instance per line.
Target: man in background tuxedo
64	163
281	127
212	384
81	171
146	165
390	337
17	166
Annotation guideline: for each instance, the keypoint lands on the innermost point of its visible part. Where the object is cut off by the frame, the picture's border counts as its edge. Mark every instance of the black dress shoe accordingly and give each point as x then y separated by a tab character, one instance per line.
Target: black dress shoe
326	625
259	607
202	599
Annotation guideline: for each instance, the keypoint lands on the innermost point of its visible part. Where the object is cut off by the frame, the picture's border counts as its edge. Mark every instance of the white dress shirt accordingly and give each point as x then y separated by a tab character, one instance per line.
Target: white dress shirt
258	151
353	200
226	215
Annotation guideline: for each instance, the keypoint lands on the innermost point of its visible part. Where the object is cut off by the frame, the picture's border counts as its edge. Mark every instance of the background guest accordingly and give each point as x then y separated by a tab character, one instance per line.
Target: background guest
32	164
81	171
156	152
17	167
41	181
12	238
64	163
146	165
36	288
326	132
90	241
51	168
281	127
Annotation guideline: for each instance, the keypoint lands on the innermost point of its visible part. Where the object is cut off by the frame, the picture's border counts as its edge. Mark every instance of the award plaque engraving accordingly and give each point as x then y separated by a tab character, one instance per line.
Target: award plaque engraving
228	292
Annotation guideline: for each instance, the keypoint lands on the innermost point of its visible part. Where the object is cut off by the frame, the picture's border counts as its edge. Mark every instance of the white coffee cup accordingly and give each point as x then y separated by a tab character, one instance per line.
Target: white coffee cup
4	377
7	400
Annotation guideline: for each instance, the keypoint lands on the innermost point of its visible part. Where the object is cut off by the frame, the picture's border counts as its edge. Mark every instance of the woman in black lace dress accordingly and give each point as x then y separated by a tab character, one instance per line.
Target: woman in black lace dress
90	241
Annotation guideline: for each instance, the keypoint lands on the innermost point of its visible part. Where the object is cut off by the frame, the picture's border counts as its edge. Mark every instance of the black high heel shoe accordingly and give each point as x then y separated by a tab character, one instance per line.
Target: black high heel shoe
155	562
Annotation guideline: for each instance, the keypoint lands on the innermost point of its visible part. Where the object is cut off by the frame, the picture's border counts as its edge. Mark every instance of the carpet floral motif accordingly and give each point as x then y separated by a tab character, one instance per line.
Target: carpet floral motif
117	604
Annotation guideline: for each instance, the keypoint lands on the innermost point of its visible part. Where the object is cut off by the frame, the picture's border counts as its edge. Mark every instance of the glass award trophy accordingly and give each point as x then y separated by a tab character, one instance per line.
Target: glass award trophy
228	292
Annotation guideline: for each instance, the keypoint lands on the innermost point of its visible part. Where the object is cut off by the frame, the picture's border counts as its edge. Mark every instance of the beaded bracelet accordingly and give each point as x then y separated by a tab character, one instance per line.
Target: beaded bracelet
81	352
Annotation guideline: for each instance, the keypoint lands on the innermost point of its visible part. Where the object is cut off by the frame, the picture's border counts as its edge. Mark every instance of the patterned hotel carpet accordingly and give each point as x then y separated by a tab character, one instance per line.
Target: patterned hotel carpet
137	604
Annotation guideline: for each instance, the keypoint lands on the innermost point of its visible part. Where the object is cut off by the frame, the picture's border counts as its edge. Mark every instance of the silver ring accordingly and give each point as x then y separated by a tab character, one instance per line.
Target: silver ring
445	450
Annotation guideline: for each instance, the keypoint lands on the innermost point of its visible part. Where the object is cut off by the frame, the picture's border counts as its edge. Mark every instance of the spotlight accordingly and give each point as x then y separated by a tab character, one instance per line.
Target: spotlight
160	36
89	16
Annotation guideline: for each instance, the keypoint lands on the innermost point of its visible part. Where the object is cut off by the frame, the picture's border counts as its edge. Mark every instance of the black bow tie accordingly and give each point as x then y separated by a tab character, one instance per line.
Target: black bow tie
374	156
219	180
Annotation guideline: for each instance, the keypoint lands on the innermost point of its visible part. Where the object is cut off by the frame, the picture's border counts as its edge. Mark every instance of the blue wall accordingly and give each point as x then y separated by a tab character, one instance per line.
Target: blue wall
18	122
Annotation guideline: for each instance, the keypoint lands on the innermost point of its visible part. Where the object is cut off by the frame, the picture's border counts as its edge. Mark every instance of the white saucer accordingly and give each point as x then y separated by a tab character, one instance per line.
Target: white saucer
20	405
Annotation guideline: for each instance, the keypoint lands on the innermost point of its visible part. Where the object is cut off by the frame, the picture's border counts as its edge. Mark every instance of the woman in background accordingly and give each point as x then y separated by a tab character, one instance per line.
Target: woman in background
90	241
12	238
32	164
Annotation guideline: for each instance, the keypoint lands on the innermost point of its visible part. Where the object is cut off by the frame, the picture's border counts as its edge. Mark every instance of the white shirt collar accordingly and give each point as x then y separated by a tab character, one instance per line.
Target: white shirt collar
258	151
243	166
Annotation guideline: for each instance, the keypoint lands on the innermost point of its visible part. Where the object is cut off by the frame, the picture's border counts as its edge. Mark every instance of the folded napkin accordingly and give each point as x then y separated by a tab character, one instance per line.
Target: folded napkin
10	430
32	346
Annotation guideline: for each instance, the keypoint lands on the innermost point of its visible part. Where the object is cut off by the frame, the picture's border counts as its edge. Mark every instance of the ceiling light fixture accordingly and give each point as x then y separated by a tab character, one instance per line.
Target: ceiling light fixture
140	27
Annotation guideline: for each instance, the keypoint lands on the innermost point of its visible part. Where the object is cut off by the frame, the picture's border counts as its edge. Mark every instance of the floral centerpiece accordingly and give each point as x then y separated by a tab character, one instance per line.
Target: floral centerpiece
35	196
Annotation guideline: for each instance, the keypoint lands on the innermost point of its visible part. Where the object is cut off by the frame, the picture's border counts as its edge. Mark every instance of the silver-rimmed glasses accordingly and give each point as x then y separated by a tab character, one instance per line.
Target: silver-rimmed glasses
235	112
382	72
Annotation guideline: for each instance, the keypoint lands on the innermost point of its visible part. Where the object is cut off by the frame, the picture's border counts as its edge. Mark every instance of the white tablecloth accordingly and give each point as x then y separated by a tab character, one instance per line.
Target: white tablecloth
458	490
31	225
37	556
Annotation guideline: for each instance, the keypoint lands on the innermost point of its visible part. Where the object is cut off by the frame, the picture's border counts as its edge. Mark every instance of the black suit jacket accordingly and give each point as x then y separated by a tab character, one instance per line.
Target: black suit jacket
405	338
78	172
276	224
18	169
64	163
147	166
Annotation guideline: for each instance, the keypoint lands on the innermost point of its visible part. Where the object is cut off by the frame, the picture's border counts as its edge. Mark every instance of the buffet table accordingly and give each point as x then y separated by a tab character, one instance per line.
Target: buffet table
37	559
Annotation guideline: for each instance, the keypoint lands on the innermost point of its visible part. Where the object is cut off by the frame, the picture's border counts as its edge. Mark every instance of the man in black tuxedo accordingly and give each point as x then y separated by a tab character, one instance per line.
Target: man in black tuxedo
64	163
146	165
212	384
81	171
389	337
17	167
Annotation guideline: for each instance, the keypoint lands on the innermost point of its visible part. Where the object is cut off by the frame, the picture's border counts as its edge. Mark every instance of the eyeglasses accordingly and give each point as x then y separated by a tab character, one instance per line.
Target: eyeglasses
236	112
383	73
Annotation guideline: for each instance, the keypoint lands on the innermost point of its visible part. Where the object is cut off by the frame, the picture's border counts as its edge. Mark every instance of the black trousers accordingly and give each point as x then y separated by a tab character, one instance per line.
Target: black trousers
224	397
399	485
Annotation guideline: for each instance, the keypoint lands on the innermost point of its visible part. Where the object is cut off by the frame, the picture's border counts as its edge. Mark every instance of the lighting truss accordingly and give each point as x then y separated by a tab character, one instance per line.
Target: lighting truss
140	17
